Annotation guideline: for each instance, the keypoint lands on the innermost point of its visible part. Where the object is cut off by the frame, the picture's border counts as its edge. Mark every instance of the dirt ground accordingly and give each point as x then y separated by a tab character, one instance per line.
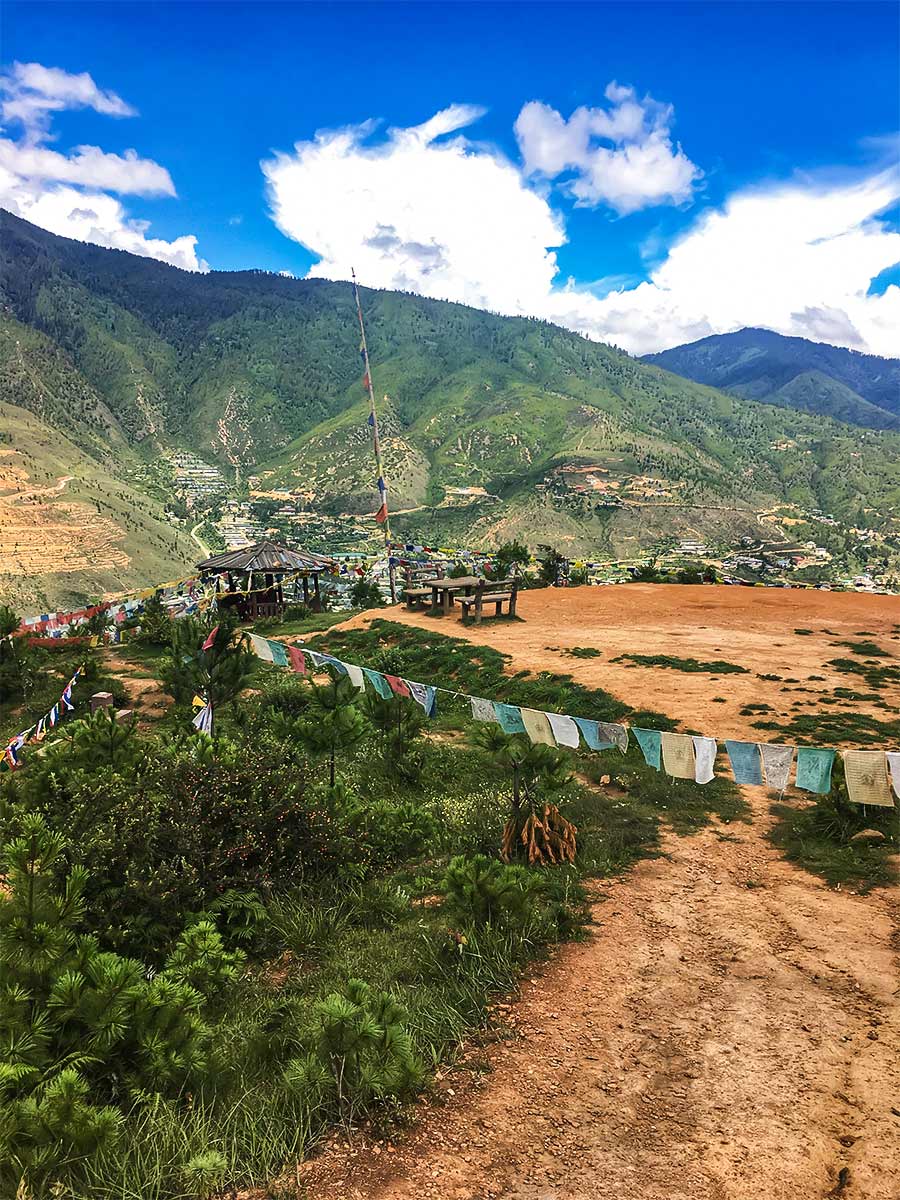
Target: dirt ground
750	627
731	1028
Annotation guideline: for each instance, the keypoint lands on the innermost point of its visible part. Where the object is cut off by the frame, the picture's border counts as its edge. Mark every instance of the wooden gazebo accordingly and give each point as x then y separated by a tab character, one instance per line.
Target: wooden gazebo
253	579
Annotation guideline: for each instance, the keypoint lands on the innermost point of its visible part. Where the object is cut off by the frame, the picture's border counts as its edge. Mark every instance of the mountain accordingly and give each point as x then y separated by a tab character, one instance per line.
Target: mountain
495	427
793	373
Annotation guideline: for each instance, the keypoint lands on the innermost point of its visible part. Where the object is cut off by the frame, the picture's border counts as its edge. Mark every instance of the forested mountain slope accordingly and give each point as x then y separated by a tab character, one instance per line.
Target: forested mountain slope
578	442
794	373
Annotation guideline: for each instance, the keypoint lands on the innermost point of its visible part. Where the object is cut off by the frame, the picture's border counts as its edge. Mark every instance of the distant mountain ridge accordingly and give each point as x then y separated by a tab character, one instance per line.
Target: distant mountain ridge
793	372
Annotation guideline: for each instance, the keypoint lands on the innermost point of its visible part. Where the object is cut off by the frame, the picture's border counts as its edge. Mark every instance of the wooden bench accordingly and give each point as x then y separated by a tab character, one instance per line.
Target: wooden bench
490	591
418	585
415	595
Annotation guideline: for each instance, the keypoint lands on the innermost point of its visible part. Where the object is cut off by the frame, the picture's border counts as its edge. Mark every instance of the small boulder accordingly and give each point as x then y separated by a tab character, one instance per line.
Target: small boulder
868	835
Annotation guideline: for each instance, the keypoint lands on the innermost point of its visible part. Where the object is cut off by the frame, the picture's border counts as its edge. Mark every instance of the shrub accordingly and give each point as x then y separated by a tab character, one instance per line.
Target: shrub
79	1026
385	832
195	821
362	1053
365	593
156	624
481	891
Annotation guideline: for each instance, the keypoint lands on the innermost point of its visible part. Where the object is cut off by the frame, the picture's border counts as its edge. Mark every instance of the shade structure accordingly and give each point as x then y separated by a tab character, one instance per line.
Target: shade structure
266	556
264	567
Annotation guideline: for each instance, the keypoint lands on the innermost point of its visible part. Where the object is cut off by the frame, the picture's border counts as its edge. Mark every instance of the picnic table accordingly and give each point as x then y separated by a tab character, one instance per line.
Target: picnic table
444	590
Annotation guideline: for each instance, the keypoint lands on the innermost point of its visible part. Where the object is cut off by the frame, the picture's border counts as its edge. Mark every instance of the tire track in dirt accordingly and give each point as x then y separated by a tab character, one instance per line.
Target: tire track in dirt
730	1029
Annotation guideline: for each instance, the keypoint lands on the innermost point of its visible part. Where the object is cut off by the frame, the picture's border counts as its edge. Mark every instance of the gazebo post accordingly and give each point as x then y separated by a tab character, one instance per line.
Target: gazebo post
318	594
306	590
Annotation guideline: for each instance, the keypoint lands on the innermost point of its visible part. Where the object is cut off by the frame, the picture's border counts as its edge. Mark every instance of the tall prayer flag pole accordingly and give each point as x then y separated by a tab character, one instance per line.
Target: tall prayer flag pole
382	515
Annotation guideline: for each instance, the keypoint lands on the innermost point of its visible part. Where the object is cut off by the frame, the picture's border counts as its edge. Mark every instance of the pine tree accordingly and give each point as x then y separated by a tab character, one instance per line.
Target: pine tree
334	722
398	720
79	1026
536	830
218	674
99	739
363	1051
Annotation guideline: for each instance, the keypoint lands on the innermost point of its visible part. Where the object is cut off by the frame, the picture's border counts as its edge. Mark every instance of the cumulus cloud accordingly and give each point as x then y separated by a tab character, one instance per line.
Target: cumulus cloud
430	211
621	155
68	193
796	257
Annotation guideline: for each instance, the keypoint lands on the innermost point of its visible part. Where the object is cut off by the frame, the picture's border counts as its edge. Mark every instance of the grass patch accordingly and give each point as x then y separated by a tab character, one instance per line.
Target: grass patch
835	728
584	652
716	667
817	837
865	649
875	675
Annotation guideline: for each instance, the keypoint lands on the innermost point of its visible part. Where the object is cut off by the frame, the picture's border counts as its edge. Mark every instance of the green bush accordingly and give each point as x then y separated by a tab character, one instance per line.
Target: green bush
385	832
189	824
80	1027
481	891
362	1053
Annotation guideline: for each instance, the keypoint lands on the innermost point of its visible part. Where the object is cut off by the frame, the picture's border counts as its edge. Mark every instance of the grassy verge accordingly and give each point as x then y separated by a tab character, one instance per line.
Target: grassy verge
818	836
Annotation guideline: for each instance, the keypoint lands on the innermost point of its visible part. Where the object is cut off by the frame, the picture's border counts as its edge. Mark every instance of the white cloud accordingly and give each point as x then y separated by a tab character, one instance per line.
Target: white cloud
68	193
796	257
444	217
33	92
637	168
420	212
90	166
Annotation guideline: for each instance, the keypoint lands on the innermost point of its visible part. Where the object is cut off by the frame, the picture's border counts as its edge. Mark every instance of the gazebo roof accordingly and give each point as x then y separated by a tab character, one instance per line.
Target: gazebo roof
266	556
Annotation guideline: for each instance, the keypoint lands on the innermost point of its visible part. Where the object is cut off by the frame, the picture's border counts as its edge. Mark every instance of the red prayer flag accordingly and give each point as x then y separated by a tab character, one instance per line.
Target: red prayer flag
207	645
298	662
397	685
381	515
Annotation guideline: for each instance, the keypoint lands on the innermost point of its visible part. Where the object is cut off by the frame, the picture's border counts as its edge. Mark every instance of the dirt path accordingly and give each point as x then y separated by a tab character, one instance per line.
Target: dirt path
729	1030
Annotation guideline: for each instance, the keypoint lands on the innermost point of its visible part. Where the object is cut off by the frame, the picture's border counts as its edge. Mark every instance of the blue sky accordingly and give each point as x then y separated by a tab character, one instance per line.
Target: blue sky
753	151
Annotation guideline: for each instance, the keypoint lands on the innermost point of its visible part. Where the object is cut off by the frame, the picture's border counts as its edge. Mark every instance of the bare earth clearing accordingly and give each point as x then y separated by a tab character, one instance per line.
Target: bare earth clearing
41	533
750	627
731	1027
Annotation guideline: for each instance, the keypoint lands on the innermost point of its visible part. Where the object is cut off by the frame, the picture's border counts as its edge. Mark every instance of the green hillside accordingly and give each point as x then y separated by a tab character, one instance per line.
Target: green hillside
570	440
794	373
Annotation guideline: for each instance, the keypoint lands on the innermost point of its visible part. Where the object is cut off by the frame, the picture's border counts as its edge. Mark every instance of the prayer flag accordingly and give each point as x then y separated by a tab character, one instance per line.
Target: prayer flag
261	647
382	514
590	731
208	644
279	653
893	762
537	726
378	682
866	773
616	735
356	676
510	717
203	720
424	694
705	750
678	755
397	685
482	710
776	761
298	662
564	730
814	769
746	764
650	742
